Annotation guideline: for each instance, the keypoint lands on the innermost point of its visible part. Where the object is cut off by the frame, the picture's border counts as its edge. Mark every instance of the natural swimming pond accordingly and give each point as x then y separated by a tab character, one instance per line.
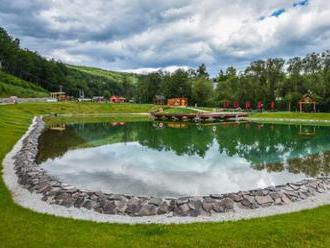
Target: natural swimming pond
177	159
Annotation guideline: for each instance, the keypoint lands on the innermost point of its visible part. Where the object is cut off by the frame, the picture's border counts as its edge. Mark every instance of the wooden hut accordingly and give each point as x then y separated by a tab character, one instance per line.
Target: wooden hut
178	102
307	99
60	95
117	99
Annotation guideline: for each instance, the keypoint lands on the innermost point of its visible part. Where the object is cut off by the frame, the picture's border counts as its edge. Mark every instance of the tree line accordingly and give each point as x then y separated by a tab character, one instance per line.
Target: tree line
274	79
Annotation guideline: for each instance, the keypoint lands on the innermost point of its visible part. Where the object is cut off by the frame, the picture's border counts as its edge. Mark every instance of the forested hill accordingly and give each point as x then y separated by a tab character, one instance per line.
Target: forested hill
50	74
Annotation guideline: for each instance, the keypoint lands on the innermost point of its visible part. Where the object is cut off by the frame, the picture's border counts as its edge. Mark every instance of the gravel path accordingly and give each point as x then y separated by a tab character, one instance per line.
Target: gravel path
33	201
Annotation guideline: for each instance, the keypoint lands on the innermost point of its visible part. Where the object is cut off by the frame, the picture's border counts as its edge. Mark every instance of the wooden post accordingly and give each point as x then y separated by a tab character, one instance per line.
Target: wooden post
289	106
300	106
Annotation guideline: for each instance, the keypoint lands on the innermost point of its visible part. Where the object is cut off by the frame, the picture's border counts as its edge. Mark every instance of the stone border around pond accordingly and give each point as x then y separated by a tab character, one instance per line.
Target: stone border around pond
46	193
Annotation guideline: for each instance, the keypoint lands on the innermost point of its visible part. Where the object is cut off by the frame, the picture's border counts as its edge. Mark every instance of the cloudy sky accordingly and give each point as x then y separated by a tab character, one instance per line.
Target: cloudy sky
141	34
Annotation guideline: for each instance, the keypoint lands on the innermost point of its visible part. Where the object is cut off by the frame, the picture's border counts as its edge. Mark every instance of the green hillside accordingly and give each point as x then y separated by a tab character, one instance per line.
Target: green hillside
112	75
14	86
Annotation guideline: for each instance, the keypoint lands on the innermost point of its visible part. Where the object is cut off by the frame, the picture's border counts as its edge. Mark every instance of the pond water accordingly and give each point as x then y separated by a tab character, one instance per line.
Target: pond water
178	159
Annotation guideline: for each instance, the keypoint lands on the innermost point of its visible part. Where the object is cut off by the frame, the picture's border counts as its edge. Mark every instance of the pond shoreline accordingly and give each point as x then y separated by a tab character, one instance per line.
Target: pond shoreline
33	188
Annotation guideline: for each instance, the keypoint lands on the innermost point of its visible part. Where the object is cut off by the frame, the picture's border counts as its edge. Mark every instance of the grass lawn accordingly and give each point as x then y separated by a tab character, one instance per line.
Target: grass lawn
292	115
179	111
21	227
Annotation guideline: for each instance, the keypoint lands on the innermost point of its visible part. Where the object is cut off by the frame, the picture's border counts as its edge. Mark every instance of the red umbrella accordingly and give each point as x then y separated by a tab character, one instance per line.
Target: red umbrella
247	105
272	105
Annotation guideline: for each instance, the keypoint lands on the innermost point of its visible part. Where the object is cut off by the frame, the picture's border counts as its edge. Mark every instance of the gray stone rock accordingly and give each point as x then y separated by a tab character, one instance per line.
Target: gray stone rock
235	197
278	201
147	210
133	206
164	208
195	204
155	201
294	186
208	206
285	199
87	204
182	200
216	196
227	203
109	207
264	200
181	210
257	192
79	202
121	205
292	195
275	195
249	202
115	197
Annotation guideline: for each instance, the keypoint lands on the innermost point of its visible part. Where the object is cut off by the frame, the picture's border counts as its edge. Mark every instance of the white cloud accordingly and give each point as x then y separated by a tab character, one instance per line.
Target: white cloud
122	34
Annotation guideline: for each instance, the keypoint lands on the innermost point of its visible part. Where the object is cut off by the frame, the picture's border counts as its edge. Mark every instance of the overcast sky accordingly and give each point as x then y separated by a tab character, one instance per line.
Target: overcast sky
141	34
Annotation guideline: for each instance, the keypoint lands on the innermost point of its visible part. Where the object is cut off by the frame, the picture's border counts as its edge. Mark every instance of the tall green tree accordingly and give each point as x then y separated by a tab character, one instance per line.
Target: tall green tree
176	84
202	91
202	71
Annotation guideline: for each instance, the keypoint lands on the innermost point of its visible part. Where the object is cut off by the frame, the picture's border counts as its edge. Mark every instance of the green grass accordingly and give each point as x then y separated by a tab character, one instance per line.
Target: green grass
292	115
21	227
207	109
113	75
13	86
179	111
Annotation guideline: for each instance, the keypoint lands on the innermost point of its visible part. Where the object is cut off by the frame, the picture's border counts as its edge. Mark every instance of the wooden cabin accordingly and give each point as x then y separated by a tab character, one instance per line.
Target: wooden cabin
117	99
177	102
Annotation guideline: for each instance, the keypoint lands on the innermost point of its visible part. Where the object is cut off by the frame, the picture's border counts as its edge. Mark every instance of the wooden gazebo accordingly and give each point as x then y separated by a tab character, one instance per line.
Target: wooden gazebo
307	99
60	95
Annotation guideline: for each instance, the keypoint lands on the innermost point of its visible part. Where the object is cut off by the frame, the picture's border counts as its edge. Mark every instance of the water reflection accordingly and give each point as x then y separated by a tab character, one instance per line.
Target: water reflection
171	159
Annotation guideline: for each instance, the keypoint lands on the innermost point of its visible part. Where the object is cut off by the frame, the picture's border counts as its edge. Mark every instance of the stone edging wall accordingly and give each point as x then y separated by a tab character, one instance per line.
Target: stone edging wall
36	180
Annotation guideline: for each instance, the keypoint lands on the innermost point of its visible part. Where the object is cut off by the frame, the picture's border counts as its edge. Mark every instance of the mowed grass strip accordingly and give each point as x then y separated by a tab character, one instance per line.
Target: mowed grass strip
21	227
292	115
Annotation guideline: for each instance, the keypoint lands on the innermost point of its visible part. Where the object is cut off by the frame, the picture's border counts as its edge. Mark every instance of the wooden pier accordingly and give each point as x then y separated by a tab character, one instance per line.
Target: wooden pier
202	116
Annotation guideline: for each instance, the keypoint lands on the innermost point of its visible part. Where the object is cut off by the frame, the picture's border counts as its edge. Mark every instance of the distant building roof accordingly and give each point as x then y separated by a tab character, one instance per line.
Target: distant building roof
118	97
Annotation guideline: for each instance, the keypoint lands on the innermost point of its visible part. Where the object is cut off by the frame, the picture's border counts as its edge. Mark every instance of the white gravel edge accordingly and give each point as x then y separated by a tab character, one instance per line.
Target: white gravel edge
33	201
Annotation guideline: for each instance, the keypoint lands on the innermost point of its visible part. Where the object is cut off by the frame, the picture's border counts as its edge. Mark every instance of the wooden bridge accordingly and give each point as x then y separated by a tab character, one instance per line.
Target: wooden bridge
201	116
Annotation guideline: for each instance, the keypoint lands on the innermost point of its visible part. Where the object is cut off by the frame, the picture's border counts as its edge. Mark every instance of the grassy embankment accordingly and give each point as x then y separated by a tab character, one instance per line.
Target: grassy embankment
179	111
291	117
14	86
21	227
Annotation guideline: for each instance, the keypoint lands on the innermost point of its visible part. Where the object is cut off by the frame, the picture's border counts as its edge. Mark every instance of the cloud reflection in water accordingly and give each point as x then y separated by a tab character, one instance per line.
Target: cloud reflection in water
135	169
